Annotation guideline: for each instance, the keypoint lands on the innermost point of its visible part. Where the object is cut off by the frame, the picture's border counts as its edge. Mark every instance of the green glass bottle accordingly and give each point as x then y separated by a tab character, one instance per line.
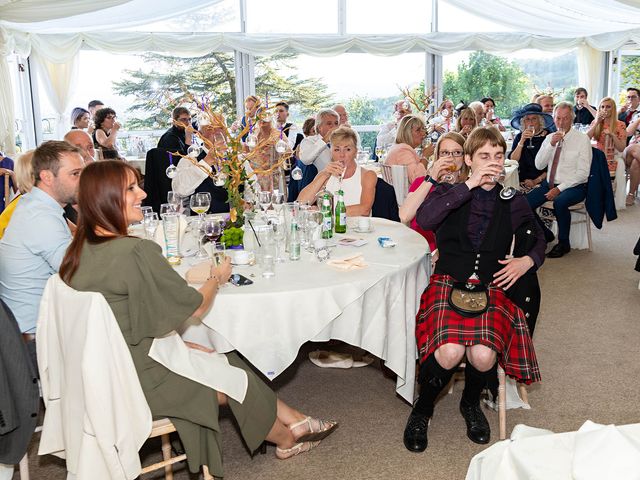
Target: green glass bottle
341	214
327	214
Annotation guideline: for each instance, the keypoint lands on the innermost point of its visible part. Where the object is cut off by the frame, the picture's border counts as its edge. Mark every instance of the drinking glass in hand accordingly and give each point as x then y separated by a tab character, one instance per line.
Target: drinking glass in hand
530	145
200	203
212	228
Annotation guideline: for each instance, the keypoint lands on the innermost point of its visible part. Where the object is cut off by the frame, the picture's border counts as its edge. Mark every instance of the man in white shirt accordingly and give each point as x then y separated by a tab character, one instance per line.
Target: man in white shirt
388	131
566	154
289	130
316	150
38	235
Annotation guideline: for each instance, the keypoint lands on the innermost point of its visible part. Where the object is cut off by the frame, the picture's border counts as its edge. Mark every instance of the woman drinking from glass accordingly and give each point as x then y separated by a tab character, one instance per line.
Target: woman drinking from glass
411	133
534	125
448	167
609	132
466	122
344	173
105	136
149	299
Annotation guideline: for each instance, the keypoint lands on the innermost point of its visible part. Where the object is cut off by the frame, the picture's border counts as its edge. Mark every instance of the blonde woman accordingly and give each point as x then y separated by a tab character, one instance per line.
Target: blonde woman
411	133
24	182
466	122
608	131
344	173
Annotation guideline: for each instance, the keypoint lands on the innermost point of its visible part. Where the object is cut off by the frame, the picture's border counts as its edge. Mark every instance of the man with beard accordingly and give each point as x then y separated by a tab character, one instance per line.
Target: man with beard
38	235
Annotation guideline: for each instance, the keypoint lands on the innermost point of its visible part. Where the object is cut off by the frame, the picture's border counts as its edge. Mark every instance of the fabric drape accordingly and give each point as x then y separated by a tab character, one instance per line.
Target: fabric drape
7	114
590	68
40	16
59	80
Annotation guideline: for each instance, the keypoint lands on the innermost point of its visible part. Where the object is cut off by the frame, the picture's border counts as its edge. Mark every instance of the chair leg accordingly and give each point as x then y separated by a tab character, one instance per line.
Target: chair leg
24	467
522	390
502	403
166	455
588	220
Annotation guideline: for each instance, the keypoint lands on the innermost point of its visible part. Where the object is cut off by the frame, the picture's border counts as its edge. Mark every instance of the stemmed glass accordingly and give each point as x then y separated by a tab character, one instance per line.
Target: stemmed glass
530	145
264	199
175	200
450	176
197	230
200	203
213	231
506	193
277	202
151	222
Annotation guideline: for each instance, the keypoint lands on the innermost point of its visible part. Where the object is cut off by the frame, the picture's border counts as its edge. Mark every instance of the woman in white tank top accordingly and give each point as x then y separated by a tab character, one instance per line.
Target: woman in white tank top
358	184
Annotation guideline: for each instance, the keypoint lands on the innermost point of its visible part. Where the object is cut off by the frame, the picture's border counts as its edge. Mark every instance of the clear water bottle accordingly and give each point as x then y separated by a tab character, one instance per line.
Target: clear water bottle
294	241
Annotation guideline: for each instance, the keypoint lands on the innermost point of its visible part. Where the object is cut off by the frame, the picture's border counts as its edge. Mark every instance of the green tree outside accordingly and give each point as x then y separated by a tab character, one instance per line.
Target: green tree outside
213	75
486	75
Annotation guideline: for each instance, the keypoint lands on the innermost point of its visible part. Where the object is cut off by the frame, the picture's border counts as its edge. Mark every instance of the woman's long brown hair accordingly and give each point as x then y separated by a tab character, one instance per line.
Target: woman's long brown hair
101	202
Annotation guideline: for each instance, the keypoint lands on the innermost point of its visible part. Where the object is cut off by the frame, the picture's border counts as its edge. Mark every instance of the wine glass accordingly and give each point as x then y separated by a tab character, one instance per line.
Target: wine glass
146	210
197	230
166	208
151	222
506	193
450	176
200	203
530	145
264	199
277	201
175	200
213	232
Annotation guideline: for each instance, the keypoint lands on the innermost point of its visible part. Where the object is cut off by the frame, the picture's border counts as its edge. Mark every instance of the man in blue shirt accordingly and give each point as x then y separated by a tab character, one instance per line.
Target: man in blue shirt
38	235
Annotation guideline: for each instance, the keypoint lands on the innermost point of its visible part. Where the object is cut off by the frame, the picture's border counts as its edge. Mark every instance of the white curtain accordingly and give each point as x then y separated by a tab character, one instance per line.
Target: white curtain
60	48
58	80
29	11
590	67
7	114
67	16
566	18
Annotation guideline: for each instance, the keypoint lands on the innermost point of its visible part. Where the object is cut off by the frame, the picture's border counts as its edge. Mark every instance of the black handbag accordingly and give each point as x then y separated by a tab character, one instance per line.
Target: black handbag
469	299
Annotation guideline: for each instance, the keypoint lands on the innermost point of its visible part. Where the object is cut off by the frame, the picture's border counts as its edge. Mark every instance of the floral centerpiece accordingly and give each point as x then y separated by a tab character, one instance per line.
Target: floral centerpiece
235	164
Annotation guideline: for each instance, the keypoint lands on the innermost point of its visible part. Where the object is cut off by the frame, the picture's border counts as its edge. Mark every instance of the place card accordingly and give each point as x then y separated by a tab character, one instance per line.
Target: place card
352	242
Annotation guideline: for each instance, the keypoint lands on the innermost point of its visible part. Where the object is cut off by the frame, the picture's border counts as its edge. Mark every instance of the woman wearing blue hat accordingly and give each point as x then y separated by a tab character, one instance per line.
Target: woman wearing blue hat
534	125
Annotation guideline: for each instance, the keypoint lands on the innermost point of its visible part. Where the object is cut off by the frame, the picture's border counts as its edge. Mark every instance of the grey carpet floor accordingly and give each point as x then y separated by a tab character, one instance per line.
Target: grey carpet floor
587	345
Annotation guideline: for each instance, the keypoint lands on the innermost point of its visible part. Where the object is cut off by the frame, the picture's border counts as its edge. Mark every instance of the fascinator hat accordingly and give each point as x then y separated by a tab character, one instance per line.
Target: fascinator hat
532	109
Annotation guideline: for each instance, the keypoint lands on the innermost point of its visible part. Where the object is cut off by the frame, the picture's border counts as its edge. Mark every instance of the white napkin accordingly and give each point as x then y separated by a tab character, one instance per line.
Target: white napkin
603	452
351	262
209	369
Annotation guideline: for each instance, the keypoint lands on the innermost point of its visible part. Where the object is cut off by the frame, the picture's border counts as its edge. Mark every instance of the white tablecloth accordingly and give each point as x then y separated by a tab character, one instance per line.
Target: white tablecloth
595	452
373	308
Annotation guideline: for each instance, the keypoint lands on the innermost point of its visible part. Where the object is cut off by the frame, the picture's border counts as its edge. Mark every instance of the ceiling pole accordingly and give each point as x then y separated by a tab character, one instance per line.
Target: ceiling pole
244	67
433	63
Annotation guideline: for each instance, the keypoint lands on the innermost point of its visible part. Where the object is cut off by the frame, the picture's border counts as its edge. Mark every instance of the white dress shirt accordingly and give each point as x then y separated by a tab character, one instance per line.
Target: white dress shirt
188	177
574	163
314	150
31	250
387	134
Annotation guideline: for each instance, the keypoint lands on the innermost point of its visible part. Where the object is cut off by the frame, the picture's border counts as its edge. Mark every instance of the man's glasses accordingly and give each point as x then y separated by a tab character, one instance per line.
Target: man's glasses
447	154
110	117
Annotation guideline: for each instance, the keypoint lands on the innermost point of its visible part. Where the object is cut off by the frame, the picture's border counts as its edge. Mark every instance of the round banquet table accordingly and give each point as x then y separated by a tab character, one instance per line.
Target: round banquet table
373	308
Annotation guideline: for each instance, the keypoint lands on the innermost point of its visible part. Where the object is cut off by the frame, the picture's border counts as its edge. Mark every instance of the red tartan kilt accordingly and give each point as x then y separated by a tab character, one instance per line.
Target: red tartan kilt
502	328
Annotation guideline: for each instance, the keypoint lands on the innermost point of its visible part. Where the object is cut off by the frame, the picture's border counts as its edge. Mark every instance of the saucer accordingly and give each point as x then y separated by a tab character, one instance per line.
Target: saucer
360	230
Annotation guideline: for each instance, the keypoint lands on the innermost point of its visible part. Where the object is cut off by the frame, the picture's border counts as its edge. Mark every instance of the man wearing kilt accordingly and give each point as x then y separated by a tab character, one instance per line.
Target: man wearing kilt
474	228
